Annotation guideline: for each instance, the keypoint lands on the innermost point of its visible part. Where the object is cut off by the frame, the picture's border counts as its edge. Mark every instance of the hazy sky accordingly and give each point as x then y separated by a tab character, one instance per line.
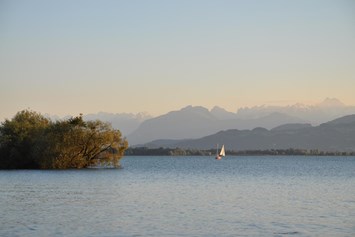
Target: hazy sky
70	57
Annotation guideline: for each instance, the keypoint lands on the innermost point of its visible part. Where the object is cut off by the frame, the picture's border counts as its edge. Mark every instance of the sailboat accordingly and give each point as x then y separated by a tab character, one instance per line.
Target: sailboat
221	153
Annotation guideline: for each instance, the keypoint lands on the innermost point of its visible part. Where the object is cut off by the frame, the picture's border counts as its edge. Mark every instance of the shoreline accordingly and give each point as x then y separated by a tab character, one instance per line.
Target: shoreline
143	151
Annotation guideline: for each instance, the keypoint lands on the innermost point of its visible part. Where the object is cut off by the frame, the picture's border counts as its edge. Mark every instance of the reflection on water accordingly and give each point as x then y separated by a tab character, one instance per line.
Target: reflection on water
184	196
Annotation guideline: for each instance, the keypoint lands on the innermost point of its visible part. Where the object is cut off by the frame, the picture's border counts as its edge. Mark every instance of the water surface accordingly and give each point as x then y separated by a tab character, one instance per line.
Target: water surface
184	196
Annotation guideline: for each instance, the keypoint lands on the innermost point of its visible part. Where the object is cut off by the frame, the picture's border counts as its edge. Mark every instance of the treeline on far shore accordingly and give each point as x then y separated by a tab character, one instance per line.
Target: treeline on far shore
144	151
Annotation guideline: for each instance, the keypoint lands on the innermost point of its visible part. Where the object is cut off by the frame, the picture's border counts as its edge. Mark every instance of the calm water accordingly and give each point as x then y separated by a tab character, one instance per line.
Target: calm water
184	196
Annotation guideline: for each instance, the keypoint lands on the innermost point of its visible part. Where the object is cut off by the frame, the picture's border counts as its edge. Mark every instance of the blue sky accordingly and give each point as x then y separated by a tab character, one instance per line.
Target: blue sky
71	57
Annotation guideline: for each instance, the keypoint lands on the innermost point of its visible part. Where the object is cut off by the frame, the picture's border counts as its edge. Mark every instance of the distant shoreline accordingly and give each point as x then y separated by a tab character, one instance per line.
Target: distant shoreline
143	151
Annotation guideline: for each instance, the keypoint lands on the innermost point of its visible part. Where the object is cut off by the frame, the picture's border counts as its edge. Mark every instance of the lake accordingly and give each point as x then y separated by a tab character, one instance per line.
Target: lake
184	196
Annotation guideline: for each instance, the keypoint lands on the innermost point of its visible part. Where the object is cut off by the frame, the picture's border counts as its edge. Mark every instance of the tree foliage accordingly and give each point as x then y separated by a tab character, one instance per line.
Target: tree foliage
30	140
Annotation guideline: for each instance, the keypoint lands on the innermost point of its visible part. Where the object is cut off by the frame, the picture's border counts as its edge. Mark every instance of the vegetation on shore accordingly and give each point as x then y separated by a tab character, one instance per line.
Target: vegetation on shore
31	141
143	151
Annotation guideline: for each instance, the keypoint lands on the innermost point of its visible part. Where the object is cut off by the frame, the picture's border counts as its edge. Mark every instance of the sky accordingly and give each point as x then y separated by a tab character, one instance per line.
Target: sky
69	57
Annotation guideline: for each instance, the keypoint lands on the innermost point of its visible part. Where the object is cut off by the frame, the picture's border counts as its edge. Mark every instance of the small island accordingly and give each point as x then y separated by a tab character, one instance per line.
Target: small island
31	141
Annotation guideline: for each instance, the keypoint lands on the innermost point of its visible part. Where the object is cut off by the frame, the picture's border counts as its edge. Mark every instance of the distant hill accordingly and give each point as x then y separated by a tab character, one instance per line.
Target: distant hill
222	114
189	122
291	126
196	121
336	135
349	119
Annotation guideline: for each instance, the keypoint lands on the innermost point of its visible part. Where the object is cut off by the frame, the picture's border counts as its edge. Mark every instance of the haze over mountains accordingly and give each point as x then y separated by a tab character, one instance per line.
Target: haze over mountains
194	122
330	108
125	122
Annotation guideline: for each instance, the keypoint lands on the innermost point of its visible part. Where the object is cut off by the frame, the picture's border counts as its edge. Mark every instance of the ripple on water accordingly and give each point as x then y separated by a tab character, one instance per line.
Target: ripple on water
185	196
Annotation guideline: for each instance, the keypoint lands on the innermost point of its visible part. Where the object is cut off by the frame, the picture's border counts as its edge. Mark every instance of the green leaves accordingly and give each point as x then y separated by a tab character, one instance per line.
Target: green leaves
31	141
18	138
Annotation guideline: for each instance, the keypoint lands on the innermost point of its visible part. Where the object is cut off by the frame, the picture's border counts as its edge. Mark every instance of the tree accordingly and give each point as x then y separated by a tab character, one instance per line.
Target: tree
78	144
18	137
31	141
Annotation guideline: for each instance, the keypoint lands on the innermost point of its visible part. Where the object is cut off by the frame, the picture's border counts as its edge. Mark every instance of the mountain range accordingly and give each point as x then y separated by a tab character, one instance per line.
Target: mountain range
336	135
195	121
329	109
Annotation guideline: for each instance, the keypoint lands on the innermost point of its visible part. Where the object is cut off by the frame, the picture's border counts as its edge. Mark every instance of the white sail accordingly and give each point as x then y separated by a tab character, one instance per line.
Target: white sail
222	153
